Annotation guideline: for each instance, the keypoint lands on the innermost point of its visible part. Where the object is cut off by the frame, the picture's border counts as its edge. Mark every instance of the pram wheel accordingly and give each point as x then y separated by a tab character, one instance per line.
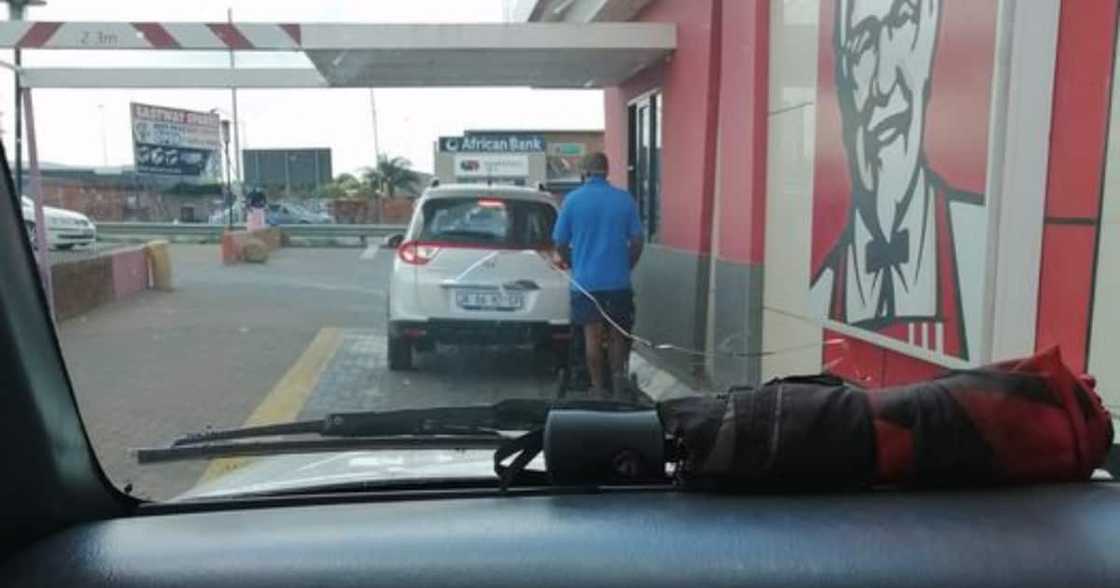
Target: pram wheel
563	380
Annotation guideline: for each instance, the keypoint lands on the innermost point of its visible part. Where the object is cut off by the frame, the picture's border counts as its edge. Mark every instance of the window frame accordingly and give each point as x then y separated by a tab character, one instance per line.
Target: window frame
644	177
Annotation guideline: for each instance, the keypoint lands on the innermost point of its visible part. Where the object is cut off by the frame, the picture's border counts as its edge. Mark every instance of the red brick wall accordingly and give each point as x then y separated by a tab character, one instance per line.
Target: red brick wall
110	201
394	211
102	203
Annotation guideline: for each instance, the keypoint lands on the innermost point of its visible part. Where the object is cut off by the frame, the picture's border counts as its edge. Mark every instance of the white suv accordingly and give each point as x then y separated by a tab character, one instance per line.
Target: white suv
65	228
475	268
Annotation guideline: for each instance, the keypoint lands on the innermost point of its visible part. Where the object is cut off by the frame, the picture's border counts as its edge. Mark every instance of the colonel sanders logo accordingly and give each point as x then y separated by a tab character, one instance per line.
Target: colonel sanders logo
897	266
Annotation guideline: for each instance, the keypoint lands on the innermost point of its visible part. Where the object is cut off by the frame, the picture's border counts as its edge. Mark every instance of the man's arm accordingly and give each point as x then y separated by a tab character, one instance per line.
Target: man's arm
562	235
636	247
565	253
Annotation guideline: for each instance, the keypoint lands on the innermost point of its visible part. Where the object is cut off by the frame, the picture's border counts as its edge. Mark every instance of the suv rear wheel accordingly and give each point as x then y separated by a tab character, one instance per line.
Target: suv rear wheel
400	354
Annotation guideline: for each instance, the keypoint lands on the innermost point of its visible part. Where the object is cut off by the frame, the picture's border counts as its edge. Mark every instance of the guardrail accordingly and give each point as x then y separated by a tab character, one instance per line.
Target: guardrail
162	229
331	231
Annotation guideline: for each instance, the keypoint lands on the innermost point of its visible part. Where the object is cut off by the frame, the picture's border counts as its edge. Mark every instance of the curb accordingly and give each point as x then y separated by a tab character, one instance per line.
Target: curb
656	382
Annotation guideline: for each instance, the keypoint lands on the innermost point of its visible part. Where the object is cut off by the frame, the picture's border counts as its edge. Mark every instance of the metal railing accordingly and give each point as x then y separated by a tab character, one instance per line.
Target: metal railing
331	231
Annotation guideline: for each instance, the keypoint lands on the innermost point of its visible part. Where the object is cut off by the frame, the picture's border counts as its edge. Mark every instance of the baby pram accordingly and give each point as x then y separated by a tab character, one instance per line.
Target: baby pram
572	375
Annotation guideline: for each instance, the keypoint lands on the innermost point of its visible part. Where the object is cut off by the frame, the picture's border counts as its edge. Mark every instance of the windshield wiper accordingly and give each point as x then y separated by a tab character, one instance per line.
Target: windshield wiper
464	427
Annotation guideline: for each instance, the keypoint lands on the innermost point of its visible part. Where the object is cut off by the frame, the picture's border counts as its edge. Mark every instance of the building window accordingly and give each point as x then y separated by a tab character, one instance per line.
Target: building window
644	153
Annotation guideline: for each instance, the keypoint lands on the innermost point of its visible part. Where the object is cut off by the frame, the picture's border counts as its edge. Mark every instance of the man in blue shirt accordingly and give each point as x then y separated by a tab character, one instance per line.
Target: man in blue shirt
599	236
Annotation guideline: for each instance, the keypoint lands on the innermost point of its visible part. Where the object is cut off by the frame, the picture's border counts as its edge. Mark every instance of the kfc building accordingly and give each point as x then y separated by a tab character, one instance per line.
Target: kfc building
882	188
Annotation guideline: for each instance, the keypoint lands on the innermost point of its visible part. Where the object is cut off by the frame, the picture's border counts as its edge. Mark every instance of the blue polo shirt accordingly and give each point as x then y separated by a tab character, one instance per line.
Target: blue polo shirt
598	221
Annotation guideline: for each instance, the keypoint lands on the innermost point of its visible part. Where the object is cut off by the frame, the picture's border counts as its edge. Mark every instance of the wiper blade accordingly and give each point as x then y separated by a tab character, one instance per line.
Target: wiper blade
211	450
462	427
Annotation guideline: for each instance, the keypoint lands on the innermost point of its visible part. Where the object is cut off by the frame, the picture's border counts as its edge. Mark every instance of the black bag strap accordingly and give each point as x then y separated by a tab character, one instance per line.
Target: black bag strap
526	447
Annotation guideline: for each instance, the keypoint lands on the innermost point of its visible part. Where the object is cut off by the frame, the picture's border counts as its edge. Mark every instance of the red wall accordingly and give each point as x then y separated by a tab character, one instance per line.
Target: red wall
743	85
870	365
1079	124
689	87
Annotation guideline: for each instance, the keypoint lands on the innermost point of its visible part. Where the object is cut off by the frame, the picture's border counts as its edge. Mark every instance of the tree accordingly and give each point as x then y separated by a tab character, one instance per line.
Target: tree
344	185
391	174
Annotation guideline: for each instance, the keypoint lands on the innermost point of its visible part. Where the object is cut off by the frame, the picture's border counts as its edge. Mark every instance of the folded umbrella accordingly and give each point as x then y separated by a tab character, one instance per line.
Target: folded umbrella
1026	420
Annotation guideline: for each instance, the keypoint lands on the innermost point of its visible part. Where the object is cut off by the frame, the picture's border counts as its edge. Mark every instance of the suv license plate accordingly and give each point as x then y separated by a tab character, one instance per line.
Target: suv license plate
489	300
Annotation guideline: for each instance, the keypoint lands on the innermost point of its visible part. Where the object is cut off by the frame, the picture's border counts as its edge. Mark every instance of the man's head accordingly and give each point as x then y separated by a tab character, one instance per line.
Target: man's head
884	57
596	165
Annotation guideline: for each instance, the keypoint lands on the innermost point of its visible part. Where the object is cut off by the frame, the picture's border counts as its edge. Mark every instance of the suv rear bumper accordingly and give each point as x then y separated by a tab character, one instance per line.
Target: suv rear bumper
475	332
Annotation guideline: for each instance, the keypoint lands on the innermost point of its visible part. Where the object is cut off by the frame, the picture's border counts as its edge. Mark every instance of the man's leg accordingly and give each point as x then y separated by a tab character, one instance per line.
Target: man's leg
618	347
593	351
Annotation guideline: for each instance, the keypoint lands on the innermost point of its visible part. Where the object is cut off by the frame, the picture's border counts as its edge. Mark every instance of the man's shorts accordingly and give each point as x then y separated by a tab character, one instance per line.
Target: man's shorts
618	304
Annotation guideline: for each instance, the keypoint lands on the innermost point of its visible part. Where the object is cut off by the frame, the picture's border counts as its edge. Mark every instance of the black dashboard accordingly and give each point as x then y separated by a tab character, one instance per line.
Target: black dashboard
1035	536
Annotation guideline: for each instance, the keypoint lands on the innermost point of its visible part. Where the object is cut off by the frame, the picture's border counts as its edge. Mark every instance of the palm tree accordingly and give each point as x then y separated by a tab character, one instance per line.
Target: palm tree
344	185
391	174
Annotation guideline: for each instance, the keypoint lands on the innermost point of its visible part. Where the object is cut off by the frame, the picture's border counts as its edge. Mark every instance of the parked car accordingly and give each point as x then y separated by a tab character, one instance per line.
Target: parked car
286	213
65	228
474	267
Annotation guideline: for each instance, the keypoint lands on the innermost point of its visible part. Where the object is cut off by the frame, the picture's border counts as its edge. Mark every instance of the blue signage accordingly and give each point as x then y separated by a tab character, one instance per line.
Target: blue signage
493	143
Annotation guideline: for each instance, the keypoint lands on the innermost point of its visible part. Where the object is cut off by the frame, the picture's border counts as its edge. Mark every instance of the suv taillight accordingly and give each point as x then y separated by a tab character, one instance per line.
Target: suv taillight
417	253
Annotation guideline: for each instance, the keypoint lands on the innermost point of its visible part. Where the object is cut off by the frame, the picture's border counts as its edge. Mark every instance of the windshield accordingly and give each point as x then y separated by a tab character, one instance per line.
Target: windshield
487	221
427	204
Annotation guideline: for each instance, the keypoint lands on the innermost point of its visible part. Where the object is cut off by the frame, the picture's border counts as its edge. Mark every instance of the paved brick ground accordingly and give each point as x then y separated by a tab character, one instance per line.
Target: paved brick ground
357	377
158	365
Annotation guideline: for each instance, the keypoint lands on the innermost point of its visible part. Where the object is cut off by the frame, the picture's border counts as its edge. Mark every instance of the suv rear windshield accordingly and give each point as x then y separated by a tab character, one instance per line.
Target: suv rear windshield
487	221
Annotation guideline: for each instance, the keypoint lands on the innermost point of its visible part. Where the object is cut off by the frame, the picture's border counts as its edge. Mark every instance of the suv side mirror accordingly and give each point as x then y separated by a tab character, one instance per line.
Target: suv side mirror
394	241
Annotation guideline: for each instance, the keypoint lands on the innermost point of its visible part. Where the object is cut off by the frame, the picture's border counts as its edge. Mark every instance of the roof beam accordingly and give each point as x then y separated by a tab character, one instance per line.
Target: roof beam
196	78
199	36
555	55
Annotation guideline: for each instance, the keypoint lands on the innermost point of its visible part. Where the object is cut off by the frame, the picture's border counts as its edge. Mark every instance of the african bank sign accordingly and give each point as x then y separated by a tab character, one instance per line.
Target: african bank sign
493	143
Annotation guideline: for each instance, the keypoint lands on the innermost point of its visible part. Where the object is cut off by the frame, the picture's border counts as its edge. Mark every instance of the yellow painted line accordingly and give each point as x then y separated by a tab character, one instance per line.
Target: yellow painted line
288	396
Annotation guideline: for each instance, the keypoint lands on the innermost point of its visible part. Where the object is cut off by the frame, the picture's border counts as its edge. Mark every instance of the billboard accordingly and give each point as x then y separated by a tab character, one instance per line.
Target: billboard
176	142
564	160
486	165
288	172
899	233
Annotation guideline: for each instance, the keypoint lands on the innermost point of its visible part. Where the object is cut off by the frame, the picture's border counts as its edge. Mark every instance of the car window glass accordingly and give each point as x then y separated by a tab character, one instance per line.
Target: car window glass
485	221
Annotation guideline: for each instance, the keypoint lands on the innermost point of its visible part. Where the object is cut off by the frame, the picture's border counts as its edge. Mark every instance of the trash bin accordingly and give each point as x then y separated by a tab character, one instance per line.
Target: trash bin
159	264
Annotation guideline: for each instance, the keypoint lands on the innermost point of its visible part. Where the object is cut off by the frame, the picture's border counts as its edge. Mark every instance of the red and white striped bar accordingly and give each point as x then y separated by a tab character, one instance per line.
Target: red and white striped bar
151	35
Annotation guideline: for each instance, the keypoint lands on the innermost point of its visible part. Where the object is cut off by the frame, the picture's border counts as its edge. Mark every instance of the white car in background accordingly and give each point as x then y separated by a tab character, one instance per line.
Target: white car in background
65	228
475	268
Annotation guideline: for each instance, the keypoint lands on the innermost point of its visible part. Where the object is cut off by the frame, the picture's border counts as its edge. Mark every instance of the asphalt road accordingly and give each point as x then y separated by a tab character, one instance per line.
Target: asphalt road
300	336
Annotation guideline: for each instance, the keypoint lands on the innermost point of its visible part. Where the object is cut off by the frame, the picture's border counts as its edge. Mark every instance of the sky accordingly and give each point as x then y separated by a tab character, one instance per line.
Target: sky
91	127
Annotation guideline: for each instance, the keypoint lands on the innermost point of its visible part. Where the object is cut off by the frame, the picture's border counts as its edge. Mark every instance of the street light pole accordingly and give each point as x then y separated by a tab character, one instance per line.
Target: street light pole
229	183
16	13
104	140
236	119
373	116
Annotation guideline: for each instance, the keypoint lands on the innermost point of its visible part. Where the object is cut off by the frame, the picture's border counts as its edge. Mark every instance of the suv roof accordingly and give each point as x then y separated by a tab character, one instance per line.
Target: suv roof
476	190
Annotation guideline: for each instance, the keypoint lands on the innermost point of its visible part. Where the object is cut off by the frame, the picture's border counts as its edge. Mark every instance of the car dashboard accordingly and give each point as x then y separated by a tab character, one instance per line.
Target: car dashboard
1032	536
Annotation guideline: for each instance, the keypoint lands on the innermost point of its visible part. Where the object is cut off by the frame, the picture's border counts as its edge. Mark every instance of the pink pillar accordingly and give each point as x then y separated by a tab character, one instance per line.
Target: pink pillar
37	196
